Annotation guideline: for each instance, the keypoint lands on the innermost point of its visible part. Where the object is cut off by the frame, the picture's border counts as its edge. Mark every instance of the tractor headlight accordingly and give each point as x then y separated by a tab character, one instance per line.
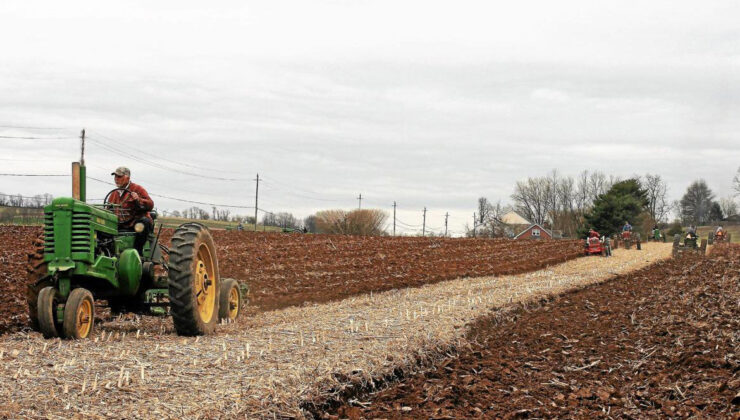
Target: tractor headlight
139	227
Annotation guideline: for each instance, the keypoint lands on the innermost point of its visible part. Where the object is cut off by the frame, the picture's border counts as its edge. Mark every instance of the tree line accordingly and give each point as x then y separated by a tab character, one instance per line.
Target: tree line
593	199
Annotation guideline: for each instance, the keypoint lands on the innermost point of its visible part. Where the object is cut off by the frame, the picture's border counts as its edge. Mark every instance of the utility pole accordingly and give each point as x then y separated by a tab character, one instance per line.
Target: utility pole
360	200
82	148
256	200
447	215
424	224
394	218
214	212
474	220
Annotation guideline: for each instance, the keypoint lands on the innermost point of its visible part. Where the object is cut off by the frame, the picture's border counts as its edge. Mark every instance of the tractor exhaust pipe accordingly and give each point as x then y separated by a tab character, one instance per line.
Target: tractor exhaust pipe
79	181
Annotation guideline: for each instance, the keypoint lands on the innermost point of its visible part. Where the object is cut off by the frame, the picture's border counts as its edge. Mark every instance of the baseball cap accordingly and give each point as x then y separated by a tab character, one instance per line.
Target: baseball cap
121	171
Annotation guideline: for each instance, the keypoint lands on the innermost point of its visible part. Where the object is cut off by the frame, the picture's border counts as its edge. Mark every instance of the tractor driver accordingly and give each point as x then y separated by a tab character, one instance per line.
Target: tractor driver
135	205
593	234
627	227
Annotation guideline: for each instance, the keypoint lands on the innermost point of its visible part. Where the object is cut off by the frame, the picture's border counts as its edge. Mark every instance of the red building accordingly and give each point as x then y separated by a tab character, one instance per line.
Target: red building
534	231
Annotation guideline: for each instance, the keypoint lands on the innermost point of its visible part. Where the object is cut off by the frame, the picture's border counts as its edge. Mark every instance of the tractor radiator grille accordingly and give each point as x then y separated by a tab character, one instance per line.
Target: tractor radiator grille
81	232
48	232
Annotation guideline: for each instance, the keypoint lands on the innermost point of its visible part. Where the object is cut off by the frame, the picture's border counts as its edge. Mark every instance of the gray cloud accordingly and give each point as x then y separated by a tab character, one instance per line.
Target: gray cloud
431	105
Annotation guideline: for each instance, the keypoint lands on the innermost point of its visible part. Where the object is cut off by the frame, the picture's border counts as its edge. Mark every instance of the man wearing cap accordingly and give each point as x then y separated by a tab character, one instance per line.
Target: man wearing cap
135	206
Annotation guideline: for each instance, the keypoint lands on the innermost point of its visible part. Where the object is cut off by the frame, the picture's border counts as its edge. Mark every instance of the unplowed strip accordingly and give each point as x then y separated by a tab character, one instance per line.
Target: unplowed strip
274	361
663	342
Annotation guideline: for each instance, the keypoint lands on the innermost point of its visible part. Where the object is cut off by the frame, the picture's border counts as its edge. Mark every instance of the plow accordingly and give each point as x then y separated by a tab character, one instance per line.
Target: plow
87	256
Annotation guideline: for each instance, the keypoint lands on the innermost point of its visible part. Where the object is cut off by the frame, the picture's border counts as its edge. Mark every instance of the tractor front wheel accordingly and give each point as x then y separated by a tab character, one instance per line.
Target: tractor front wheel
194	284
230	305
79	314
46	315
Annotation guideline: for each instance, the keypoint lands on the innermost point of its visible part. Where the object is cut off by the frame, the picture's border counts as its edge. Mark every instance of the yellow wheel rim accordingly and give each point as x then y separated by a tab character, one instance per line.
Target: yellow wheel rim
205	284
84	318
233	303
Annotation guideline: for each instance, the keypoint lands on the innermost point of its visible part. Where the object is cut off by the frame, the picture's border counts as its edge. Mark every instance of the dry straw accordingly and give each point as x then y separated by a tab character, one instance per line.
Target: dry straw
267	365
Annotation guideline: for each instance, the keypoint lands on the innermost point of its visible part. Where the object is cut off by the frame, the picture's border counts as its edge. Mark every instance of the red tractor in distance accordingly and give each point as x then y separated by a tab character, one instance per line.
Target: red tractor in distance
719	237
596	245
629	238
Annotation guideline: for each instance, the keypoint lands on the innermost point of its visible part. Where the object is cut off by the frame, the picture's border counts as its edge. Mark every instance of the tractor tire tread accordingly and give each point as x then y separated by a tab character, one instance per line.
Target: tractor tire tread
182	303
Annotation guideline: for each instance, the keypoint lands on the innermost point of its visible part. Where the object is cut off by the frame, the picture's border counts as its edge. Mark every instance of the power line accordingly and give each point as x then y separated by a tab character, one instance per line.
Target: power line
36	138
297	194
182	199
34	128
170	160
156	165
34	175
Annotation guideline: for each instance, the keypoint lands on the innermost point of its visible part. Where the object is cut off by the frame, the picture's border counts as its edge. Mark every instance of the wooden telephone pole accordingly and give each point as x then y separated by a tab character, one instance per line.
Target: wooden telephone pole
256	201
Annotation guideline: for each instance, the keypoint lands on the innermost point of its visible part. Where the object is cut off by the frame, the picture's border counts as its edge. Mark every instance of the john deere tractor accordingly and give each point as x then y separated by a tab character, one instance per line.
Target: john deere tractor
691	244
86	256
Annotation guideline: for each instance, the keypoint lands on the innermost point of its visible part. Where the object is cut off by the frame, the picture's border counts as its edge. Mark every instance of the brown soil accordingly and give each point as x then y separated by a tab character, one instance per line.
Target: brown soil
292	269
660	342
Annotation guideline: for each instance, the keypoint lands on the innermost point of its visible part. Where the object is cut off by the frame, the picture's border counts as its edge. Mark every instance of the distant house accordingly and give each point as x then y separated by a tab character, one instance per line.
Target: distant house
732	220
534	231
515	223
514	218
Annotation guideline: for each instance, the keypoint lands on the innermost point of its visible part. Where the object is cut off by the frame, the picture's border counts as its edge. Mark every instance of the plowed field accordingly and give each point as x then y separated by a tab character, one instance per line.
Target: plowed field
291	269
661	342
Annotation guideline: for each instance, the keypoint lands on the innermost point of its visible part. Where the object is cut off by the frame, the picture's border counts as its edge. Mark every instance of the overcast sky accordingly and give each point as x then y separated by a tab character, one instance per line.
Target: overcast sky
423	103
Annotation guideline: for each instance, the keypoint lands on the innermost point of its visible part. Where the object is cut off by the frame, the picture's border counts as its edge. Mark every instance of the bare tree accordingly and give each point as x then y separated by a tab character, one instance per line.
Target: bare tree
728	206
356	222
531	198
491	225
696	204
736	182
657	195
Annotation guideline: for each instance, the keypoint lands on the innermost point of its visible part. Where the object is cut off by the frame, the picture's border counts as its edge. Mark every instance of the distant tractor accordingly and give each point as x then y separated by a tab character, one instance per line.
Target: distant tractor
629	239
598	246
690	244
86	256
656	236
719	237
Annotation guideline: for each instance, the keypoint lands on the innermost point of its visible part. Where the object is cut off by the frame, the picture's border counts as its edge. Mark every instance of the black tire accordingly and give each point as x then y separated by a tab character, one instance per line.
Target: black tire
47	301
193	272
36	270
227	309
79	314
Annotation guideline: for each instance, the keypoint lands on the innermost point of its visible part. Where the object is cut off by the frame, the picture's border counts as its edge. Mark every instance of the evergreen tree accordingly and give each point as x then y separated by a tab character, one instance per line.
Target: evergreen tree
715	212
625	201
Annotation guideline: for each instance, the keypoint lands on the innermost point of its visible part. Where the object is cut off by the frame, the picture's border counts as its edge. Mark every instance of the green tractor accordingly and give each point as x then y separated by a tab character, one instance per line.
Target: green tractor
656	235
85	256
691	244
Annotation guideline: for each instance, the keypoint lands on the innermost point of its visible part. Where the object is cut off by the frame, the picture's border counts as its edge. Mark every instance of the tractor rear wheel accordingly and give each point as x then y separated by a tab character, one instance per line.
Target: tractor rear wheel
47	302
231	301
36	271
79	314
194	285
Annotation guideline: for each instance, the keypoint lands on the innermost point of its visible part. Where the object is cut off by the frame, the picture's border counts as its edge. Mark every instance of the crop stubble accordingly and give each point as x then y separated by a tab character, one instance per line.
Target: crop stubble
275	360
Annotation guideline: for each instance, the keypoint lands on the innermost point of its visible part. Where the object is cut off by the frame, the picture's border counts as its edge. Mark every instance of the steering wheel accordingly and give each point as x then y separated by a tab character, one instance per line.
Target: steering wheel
124	215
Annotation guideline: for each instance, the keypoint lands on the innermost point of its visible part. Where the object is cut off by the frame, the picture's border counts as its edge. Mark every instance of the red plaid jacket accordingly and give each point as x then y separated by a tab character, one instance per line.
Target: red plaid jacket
138	208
